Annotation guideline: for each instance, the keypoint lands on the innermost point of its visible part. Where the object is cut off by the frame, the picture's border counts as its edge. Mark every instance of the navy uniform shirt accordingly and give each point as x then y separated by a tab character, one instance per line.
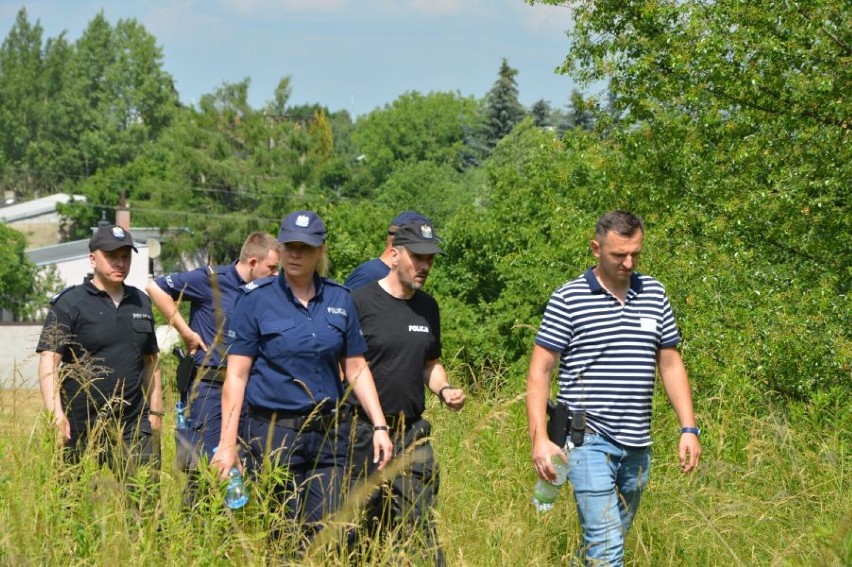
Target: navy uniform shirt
210	305
369	271
102	348
296	350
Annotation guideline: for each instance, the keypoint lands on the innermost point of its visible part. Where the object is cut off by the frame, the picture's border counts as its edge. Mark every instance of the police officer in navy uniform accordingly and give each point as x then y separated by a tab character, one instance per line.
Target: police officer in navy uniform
402	326
290	336
211	292
98	360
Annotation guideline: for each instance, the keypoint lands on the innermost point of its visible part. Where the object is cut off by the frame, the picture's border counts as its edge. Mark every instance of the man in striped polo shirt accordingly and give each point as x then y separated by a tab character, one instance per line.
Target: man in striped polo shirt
609	330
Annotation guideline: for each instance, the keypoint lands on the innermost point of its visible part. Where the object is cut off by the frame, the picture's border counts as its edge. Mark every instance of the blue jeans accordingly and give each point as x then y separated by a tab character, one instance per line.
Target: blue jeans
608	479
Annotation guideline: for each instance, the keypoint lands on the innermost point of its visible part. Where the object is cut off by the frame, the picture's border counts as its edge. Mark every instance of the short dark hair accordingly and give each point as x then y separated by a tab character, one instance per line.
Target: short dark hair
622	223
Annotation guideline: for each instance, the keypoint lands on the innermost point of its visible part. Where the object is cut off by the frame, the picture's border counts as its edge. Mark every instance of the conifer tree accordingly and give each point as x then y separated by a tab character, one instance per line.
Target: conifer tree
503	110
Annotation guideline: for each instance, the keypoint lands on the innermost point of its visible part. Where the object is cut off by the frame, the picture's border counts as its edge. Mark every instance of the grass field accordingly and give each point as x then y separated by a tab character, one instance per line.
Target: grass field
771	490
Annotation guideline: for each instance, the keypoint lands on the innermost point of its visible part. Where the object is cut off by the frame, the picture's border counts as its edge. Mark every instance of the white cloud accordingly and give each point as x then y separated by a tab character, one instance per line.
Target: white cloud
545	18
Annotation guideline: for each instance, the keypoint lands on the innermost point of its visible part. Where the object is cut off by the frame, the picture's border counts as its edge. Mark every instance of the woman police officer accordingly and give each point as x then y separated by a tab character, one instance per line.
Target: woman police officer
289	337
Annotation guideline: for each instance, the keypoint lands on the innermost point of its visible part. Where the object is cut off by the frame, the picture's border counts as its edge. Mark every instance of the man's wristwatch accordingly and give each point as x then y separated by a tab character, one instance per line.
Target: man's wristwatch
694	430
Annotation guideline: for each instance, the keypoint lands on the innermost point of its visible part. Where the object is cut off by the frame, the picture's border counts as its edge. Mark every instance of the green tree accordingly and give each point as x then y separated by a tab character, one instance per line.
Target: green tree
17	274
118	97
32	79
505	255
414	127
278	105
21	115
540	113
731	139
580	115
503	110
758	91
68	110
438	191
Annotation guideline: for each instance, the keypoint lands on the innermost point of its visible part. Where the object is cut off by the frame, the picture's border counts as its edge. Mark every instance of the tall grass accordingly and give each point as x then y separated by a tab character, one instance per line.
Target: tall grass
772	489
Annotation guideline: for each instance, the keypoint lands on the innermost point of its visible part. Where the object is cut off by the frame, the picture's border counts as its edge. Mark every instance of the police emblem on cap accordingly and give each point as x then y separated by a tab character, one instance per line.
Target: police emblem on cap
426	230
303	221
118	232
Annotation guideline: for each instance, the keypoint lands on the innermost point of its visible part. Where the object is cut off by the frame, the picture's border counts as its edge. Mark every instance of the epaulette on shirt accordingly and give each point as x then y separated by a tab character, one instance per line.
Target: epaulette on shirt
251	286
61	293
218	270
330	281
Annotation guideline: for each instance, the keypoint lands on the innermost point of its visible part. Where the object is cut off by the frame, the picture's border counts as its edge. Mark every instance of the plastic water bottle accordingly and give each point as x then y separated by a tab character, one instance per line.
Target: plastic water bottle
181	421
235	494
544	492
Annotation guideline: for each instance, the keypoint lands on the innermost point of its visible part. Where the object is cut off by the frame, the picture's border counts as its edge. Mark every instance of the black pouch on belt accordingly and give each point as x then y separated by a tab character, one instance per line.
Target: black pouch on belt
185	373
578	427
557	422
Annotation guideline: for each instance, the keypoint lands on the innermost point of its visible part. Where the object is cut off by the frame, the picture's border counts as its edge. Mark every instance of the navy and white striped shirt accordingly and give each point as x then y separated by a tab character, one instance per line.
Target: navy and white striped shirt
608	352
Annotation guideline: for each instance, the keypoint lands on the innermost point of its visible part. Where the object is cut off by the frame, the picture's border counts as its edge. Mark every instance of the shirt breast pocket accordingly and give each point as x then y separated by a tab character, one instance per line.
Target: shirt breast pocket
269	328
337	323
143	325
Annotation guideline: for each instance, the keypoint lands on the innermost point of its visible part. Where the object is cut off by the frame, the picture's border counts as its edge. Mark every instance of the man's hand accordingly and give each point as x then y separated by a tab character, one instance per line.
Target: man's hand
194	342
224	459
156	422
689	452
542	457
62	426
382	448
454	398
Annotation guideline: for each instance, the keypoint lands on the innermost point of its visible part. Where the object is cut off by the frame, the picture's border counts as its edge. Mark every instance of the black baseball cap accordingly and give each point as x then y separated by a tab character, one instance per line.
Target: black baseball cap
419	237
409	216
109	237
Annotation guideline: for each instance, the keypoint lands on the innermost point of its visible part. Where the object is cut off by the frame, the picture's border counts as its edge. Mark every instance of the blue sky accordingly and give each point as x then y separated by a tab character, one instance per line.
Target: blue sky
345	54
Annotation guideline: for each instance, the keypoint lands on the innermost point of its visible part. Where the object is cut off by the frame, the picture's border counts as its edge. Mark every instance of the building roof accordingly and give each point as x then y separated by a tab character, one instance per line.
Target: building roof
36	207
56	253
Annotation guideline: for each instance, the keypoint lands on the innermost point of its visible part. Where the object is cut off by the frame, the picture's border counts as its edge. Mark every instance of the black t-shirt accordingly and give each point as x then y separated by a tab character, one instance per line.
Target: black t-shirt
102	348
402	335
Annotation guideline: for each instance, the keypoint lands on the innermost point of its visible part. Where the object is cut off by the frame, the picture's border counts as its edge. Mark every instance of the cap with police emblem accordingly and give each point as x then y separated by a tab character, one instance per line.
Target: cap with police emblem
302	226
417	237
109	237
406	217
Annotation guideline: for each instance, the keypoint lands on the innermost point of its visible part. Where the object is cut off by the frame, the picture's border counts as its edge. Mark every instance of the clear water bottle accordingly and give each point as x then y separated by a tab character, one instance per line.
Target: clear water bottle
235	493
181	420
544	492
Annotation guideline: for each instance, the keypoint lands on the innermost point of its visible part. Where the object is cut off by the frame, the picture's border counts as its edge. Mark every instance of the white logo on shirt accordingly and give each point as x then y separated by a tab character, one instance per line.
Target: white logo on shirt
418	329
337	311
